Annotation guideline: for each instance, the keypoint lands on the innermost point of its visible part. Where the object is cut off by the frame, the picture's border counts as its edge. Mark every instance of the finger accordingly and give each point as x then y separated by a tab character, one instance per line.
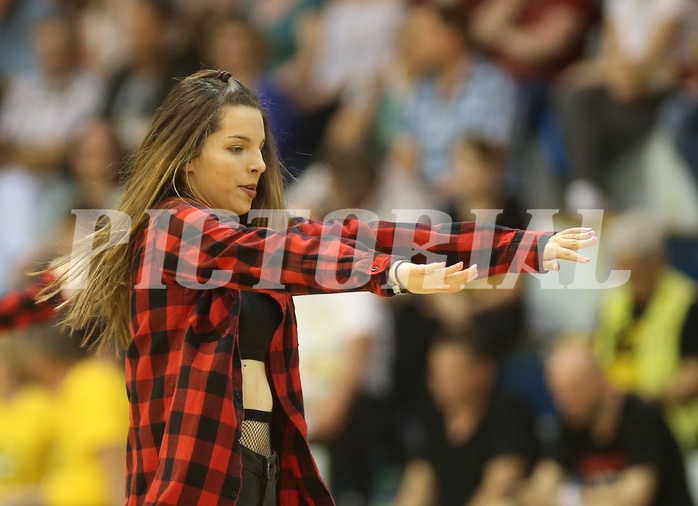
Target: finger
572	256
576	230
551	265
433	267
457	267
577	243
580	236
462	277
441	273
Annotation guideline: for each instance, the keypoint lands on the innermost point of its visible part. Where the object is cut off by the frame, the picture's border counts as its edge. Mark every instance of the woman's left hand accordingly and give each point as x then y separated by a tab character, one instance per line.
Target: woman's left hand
564	246
433	277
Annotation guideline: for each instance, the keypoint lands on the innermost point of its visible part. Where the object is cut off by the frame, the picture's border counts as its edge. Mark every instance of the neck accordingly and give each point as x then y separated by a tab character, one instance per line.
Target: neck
462	419
7	391
450	76
605	424
54	375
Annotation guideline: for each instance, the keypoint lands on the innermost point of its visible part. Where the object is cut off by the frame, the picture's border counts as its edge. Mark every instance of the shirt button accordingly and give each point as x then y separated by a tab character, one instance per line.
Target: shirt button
238	396
374	268
234	493
341	268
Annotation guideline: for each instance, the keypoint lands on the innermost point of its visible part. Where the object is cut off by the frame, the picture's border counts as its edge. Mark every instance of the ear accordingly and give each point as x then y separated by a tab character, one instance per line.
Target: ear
191	165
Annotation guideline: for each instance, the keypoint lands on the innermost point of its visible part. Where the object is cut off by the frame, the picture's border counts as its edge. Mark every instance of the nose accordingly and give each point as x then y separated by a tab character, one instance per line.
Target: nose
258	164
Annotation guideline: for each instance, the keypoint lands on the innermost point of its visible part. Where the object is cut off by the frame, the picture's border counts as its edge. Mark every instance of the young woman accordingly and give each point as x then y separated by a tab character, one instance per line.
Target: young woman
212	363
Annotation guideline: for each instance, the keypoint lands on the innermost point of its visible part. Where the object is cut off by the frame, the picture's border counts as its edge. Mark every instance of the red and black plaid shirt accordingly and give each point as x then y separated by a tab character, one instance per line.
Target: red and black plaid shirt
183	366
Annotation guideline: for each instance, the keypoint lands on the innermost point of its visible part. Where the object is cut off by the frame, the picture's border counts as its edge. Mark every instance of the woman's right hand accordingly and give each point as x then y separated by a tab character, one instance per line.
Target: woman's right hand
432	278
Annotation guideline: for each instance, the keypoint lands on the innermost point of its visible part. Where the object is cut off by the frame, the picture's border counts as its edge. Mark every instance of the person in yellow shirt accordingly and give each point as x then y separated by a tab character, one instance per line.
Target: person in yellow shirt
90	423
647	337
25	424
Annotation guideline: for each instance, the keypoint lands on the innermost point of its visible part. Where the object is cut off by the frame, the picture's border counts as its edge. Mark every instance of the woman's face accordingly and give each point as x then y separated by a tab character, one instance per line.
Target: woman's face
226	173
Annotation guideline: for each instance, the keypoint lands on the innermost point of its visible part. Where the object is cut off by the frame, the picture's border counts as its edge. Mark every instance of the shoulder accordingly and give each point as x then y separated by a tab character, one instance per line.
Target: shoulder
641	417
22	85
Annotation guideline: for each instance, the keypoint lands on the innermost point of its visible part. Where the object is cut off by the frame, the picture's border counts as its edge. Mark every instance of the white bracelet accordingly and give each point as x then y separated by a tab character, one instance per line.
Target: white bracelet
398	288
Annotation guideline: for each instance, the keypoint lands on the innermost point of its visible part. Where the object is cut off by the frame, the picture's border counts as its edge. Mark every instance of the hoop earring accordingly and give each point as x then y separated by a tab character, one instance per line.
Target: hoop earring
189	193
174	183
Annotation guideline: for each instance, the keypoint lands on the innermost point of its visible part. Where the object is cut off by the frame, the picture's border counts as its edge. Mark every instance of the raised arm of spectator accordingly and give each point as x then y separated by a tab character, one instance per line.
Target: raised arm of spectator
498	478
494	26
641	73
543	487
418	486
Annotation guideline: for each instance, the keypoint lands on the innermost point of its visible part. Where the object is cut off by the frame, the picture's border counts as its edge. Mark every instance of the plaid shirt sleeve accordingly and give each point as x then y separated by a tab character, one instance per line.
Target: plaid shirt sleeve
205	250
19	308
496	250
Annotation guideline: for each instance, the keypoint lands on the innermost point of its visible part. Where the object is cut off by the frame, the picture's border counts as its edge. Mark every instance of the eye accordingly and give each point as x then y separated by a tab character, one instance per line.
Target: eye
236	149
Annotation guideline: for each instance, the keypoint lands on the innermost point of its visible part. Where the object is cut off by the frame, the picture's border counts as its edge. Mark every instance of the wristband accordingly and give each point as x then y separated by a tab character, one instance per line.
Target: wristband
398	287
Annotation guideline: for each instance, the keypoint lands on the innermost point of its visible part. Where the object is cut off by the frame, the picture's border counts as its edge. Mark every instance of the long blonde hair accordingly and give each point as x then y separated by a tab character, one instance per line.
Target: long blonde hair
189	114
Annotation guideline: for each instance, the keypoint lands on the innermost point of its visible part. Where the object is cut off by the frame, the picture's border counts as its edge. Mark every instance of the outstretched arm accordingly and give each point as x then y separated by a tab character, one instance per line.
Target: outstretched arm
496	250
198	248
19	308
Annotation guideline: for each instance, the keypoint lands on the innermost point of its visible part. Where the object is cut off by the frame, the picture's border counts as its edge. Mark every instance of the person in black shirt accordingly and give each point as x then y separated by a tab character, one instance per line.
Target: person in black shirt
613	449
481	443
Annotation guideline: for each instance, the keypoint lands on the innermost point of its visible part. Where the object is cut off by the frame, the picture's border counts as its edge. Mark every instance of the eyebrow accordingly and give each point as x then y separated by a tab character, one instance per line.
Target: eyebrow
242	137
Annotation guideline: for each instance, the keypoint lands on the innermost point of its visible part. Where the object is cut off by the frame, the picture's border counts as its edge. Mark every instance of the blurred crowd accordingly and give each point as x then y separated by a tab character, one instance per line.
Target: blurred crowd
505	394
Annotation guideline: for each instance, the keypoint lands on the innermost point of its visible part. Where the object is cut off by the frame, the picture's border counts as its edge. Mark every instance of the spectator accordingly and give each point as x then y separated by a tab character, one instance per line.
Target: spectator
533	39
680	114
371	111
477	183
40	116
610	104
459	94
95	162
90	421
136	90
200	13
347	347
17	18
348	344
42	111
100	28
612	449
279	23
235	45
647	337
341	179
477	173
482	443
25	423
344	41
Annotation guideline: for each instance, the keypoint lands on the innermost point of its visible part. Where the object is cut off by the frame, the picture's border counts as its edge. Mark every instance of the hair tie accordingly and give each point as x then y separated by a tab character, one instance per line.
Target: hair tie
224	75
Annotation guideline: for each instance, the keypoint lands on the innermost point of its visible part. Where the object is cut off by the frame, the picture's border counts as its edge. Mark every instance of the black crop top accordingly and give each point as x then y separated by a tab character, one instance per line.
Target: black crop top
260	316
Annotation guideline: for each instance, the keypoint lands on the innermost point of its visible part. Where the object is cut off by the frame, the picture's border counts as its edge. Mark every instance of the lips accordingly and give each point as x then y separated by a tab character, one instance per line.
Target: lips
250	189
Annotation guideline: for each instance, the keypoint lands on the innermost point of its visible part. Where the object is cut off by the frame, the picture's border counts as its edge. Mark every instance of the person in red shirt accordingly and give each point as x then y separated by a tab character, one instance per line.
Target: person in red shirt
200	295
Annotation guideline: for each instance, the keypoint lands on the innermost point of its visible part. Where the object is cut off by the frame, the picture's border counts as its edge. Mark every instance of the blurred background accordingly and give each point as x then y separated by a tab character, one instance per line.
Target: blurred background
552	112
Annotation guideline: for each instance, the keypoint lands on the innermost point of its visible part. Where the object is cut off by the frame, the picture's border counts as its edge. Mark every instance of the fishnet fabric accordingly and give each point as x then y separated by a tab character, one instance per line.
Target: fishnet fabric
256	436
